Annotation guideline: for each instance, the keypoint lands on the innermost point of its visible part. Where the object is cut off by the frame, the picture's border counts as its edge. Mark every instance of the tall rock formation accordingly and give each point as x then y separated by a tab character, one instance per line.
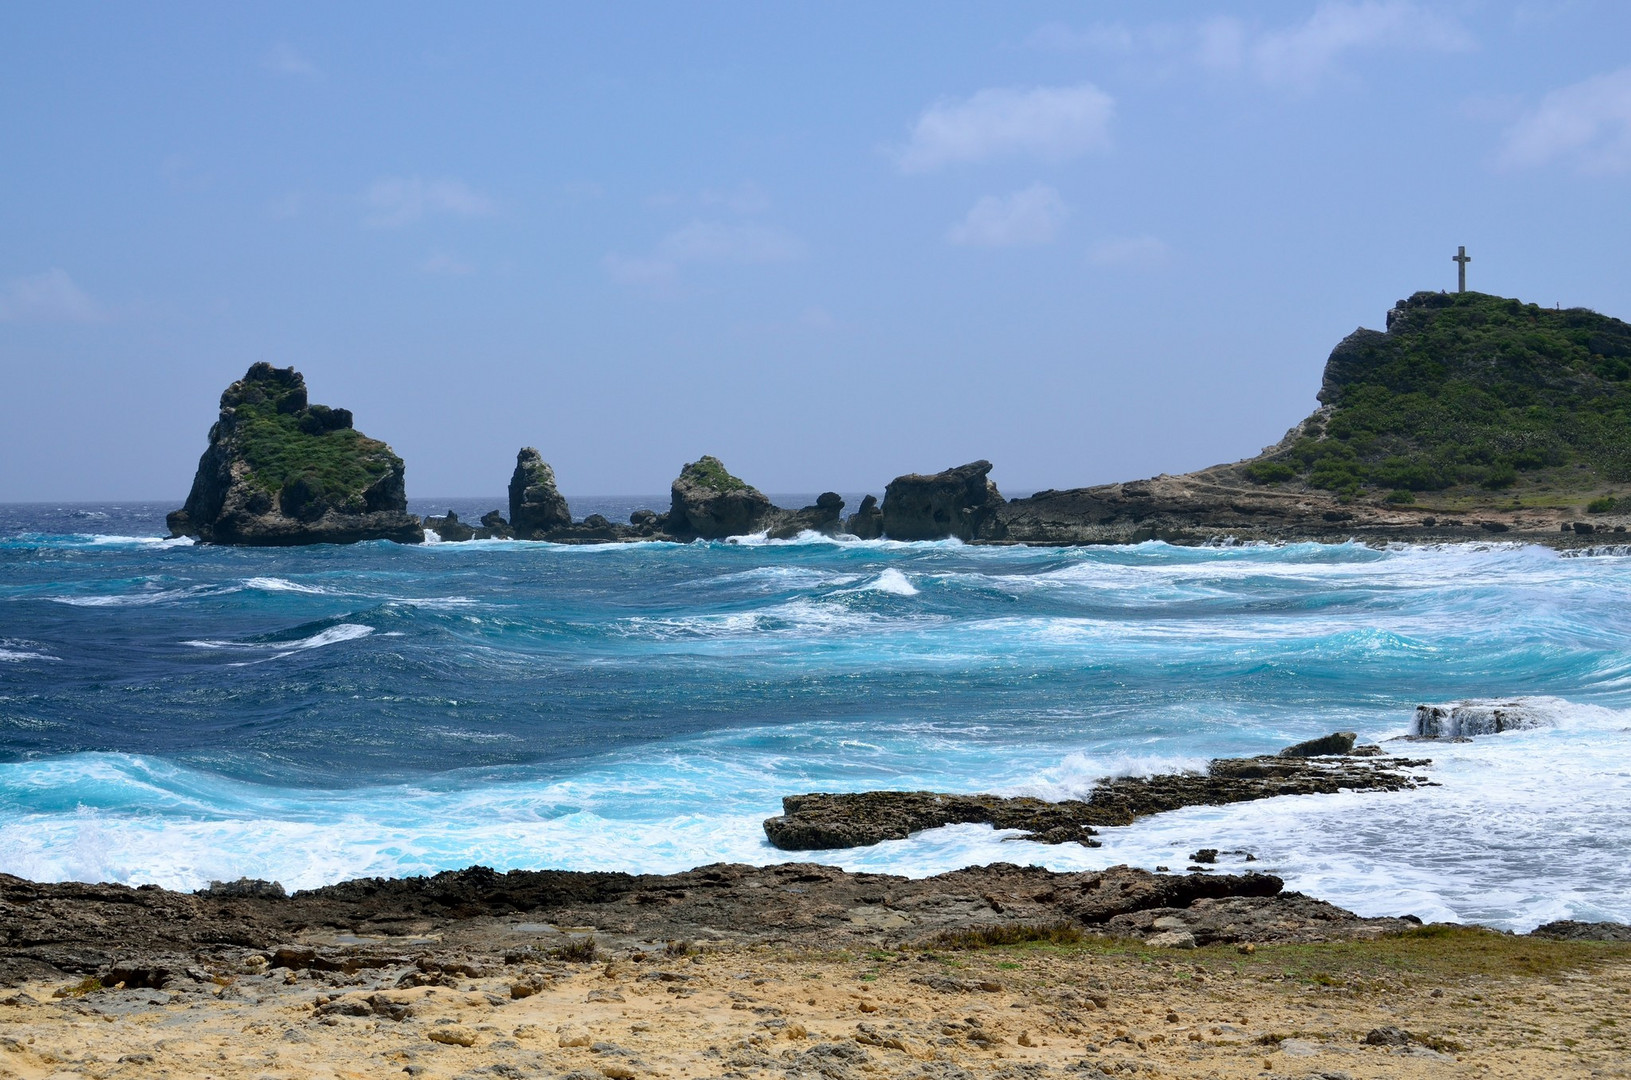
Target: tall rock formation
536	505
281	472
958	502
708	503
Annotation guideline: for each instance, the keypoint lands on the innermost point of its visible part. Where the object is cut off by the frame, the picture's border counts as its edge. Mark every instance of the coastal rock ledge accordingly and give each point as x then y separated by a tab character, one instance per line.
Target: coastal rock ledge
281	472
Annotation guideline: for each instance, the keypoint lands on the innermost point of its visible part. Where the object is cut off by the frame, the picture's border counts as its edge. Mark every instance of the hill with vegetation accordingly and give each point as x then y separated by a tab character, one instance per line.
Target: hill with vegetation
1467	392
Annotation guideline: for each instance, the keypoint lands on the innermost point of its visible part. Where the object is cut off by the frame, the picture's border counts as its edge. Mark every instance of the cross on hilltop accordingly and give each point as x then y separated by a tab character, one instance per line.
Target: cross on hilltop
1461	259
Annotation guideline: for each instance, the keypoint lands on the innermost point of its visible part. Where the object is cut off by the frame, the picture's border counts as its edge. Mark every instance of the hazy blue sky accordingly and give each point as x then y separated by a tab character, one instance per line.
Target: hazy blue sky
829	242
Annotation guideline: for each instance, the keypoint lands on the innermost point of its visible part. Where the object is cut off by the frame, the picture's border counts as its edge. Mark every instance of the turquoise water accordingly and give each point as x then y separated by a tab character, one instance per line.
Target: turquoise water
175	714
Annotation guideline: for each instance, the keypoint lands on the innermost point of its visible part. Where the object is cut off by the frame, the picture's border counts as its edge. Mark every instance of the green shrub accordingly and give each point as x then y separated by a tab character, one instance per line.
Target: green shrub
1270	472
1401	497
1605	505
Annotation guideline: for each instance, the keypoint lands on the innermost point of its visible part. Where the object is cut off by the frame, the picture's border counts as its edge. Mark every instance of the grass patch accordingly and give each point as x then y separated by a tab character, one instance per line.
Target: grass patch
986	937
709	472
577	951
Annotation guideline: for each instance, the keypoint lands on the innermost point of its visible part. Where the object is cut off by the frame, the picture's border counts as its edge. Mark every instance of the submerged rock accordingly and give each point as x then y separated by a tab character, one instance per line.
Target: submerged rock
536	505
708	503
958	502
1463	719
279	471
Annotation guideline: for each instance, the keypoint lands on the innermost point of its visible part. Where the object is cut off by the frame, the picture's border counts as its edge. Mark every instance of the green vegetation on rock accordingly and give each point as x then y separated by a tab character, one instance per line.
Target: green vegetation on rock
709	472
284	442
1469	391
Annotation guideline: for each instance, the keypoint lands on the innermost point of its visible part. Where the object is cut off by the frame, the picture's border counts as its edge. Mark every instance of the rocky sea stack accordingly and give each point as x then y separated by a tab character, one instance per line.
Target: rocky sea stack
708	503
281	472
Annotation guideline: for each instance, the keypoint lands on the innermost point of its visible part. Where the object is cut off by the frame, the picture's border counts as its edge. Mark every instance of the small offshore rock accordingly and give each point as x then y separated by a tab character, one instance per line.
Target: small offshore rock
708	503
867	522
1464	719
449	528
536	504
253	888
1332	745
959	502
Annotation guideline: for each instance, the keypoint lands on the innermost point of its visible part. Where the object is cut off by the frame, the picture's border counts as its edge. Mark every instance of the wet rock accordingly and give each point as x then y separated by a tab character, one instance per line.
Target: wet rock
825	517
1338	742
708	503
494	527
1468	718
536	504
449	528
959	502
824	820
867	522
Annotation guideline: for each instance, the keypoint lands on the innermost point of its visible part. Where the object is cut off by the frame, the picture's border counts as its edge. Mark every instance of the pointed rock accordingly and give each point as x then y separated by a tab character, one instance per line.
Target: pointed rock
536	505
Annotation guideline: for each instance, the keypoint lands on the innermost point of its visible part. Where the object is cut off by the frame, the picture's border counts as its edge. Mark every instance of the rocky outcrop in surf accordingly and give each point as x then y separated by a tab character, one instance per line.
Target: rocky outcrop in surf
536	504
279	471
867	522
708	503
822	820
1464	719
959	502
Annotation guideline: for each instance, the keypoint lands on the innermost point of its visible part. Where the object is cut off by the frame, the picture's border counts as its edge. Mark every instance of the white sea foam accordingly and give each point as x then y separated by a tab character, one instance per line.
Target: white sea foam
277	584
333	635
894	582
15	656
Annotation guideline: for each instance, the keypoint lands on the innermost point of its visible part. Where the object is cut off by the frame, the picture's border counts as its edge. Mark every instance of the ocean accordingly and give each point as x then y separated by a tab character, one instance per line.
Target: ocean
177	714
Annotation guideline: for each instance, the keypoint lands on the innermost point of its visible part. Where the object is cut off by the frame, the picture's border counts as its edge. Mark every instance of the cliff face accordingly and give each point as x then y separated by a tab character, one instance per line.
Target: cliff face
279	471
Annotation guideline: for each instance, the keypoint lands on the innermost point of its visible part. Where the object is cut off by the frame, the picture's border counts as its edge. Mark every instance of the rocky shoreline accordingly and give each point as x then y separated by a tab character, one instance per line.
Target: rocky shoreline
824	821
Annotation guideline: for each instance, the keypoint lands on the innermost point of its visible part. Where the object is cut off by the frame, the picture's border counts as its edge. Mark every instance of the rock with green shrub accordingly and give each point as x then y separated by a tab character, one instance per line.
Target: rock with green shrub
280	471
1467	391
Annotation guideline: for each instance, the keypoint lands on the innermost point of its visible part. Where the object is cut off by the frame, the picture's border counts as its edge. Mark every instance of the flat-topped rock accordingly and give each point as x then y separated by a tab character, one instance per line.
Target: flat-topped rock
959	502
823	820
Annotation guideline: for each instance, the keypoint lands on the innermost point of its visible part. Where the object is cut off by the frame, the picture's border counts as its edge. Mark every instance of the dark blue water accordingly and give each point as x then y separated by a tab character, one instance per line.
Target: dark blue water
176	713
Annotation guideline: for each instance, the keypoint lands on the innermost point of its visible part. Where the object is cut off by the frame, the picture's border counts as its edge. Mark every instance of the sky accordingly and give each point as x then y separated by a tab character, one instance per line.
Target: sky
827	242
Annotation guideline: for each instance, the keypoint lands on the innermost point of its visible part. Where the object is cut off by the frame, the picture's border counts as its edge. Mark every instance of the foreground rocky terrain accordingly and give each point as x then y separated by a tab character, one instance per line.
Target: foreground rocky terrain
789	971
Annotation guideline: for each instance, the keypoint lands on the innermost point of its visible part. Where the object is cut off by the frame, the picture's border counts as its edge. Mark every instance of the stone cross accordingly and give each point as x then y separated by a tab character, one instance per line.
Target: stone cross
1461	259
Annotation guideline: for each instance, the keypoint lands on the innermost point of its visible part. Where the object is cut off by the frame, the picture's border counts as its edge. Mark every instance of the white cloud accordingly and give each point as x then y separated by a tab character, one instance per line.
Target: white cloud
705	242
1297	55
446	265
1131	252
1588	122
1045	122
1302	54
48	297
395	201
284	60
1025	218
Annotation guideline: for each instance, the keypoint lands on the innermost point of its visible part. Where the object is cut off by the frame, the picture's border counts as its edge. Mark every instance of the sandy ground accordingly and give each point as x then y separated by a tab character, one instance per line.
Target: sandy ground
1014	1013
